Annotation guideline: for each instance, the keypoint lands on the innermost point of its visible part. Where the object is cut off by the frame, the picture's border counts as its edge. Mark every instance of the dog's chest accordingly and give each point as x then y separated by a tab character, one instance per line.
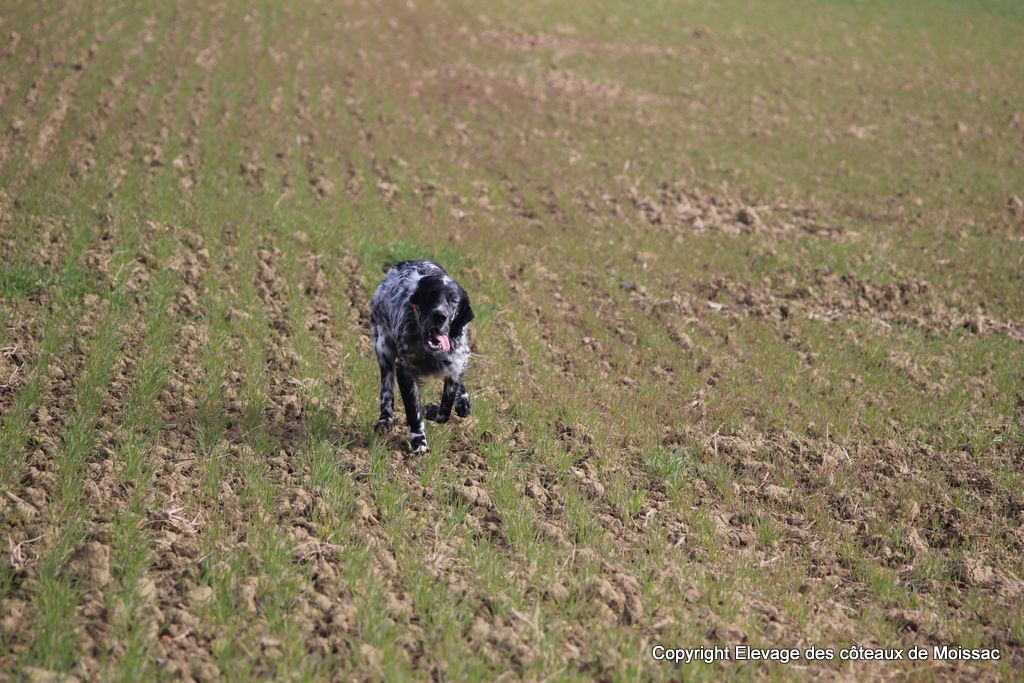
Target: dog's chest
430	365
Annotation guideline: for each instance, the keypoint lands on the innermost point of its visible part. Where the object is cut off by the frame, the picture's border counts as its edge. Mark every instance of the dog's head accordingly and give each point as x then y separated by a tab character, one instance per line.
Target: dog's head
441	308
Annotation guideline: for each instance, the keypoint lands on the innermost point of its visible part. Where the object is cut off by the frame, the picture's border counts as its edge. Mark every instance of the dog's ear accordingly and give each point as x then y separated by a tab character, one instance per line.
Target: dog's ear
463	315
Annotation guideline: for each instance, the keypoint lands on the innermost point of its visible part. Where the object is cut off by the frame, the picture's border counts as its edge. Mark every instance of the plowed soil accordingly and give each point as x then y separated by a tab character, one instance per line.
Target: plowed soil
749	345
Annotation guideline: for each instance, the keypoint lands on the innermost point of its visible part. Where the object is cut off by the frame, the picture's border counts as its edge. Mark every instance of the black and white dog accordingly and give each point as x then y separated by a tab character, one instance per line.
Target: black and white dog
419	316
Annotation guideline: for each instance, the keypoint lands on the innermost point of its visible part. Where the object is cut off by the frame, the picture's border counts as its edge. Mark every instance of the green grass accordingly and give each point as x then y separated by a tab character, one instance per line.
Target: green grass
52	636
132	552
687	427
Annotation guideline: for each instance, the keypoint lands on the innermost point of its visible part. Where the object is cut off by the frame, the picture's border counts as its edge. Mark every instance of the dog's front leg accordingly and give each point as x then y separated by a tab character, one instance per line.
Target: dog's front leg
463	406
441	412
386	360
411	398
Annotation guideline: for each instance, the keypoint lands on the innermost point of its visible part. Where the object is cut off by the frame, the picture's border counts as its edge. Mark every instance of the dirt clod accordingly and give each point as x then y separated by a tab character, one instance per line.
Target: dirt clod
91	562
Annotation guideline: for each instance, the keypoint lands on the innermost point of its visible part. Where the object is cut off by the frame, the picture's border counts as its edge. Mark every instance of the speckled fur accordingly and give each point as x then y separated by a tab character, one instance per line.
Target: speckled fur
399	333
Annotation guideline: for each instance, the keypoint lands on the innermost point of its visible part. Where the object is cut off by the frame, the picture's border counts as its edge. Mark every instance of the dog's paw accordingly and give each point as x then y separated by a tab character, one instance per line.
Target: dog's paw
463	407
418	444
383	425
433	413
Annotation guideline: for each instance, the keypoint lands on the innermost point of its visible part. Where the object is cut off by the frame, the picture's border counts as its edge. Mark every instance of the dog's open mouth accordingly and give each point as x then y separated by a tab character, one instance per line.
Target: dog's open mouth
438	341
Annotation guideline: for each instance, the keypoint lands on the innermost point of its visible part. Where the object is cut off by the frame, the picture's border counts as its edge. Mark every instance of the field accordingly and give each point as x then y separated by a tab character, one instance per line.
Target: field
749	285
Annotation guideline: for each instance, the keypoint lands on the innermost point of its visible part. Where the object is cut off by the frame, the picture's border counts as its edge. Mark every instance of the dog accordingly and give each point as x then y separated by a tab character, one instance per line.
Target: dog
419	316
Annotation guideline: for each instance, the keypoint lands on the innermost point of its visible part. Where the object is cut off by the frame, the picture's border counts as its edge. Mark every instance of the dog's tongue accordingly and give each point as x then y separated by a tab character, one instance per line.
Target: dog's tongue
442	339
